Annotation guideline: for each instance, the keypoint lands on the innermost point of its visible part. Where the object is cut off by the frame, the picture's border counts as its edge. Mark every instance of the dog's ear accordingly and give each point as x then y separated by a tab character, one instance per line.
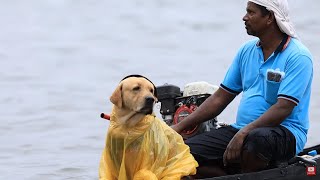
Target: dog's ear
155	95
116	97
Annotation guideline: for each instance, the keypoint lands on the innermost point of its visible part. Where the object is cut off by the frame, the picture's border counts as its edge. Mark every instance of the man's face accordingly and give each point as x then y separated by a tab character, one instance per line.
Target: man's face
255	22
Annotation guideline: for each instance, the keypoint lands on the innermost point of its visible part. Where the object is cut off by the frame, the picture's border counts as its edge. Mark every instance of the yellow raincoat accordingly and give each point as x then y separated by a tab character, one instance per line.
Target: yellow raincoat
151	150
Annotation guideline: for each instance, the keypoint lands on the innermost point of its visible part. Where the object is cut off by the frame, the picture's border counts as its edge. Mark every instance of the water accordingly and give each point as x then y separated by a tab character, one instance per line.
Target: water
61	59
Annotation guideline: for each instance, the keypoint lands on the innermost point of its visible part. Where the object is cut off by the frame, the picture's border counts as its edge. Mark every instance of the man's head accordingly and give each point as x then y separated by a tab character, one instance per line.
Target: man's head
258	19
269	12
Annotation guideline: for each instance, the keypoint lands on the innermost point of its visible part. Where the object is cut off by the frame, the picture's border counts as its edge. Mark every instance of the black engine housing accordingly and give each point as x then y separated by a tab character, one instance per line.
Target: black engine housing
171	98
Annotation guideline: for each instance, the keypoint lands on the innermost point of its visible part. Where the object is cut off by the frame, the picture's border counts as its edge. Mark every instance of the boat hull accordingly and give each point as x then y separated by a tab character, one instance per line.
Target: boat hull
298	169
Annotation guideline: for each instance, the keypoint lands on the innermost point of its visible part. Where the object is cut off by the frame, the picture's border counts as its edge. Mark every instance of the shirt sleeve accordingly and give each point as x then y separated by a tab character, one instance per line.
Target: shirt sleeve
232	82
298	78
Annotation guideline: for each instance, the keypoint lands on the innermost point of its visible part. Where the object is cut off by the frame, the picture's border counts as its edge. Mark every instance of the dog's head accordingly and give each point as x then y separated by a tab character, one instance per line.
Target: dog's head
135	93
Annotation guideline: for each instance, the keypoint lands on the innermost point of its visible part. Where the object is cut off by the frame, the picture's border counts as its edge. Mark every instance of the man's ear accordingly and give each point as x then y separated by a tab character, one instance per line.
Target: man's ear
271	18
116	97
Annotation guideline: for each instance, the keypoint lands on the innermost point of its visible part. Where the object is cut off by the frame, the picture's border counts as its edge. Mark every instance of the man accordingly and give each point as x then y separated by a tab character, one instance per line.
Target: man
274	73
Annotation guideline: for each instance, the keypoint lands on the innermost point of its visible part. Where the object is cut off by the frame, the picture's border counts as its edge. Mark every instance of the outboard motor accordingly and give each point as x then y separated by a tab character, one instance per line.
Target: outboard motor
177	104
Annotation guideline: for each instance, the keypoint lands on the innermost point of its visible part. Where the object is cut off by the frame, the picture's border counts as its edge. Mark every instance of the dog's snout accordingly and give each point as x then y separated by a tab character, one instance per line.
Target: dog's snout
148	105
149	100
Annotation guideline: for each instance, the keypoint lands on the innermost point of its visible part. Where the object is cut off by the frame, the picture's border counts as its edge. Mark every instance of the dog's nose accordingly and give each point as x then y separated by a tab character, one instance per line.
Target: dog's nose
149	100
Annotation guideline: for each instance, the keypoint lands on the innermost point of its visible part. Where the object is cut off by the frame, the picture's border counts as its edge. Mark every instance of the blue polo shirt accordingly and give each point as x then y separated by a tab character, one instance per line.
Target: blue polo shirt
248	74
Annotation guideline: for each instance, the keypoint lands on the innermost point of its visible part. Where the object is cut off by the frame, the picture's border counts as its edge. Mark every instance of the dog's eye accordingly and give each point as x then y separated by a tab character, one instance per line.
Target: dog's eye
151	90
136	88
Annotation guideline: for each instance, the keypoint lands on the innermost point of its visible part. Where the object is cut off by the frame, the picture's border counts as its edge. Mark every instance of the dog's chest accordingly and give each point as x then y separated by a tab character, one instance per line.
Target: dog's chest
126	147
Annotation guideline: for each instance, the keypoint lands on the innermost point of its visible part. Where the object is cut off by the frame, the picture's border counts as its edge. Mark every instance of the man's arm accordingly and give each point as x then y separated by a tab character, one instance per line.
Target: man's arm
210	108
273	117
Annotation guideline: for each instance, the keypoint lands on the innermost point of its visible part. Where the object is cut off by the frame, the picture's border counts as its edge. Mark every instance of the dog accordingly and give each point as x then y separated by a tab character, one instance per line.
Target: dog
138	144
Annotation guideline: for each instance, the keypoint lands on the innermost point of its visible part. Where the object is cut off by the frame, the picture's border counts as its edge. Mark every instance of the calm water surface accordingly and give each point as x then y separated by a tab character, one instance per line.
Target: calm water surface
61	59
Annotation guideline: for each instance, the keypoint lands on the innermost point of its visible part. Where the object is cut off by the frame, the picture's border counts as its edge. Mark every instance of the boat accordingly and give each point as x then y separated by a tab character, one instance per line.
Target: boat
177	104
301	167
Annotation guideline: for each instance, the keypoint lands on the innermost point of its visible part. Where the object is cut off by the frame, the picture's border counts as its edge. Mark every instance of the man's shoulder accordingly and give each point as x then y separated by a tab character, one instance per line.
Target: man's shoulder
299	48
248	46
253	43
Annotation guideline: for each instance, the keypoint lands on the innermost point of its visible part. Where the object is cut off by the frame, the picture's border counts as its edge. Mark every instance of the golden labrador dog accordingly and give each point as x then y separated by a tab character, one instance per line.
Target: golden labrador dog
138	144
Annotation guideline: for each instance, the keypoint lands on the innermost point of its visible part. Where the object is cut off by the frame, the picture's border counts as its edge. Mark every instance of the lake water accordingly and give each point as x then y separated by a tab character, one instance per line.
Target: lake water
60	60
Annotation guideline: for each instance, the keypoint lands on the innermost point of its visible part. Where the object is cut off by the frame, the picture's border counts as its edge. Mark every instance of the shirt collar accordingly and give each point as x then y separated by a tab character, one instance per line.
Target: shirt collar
282	46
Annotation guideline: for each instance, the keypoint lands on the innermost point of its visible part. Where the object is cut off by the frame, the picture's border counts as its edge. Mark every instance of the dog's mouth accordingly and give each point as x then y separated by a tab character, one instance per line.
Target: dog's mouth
146	110
148	106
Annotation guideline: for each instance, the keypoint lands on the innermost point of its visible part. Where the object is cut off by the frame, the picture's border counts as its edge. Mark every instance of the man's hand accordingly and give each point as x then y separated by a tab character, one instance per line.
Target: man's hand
177	128
234	148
